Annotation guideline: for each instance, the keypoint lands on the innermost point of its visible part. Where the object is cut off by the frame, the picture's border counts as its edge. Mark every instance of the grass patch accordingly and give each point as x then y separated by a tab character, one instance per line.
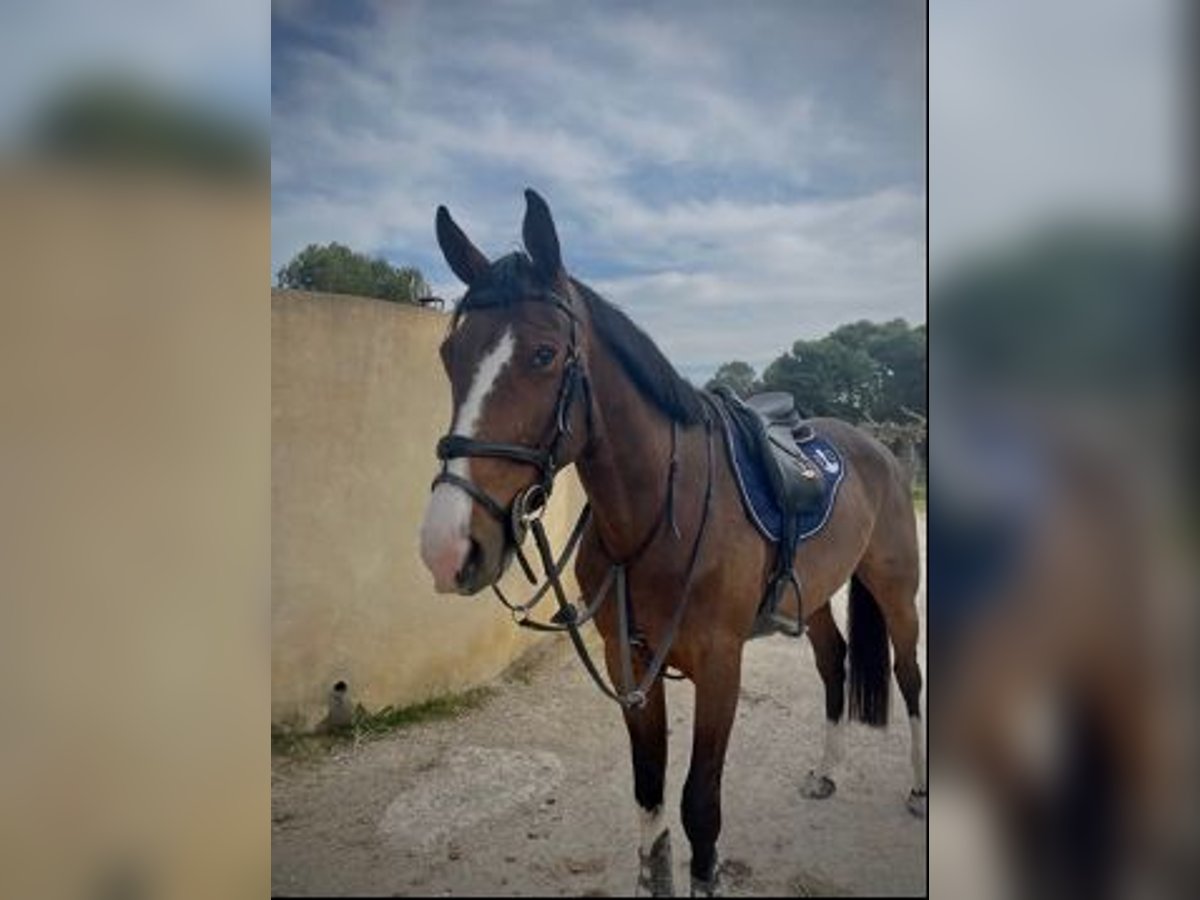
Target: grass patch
369	725
390	718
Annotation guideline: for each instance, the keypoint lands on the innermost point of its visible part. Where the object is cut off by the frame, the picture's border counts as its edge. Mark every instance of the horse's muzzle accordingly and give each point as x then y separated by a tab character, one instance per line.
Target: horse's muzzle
487	557
466	581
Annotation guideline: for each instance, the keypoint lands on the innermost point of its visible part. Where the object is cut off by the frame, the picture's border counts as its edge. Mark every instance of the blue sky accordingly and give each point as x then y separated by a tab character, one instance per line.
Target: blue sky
735	176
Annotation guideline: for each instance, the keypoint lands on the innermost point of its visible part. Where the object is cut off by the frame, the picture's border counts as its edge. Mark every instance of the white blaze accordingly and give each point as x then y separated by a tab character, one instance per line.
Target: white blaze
445	531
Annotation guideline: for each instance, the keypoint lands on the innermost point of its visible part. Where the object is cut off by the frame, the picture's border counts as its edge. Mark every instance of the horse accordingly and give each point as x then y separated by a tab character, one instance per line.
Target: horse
545	373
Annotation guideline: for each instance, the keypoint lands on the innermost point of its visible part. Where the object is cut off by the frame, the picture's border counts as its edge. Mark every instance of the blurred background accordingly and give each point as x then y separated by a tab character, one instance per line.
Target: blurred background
134	449
1061	583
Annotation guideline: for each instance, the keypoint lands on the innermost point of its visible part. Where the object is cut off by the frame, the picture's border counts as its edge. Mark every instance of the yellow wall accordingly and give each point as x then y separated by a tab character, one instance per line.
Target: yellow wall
134	529
358	401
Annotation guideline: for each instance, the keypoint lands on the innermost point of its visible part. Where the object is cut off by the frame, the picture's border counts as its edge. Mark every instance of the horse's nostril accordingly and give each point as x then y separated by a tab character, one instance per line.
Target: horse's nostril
470	568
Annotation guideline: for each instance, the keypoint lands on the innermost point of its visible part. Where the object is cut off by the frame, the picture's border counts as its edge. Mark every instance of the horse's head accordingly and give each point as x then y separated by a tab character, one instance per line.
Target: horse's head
515	359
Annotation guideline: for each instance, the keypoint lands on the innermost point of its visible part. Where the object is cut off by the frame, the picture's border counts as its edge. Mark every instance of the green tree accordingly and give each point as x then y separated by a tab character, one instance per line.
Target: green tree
899	352
828	378
863	372
337	269
905	366
738	376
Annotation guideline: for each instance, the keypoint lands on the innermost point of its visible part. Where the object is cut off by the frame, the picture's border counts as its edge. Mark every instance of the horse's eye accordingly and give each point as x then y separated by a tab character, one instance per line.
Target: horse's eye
543	356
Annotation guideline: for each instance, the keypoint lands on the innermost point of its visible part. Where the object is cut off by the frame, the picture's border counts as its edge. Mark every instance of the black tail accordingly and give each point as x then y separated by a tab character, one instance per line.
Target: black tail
870	659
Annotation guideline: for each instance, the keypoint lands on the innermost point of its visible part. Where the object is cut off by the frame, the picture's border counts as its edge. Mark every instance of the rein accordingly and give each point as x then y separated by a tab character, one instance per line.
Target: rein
525	515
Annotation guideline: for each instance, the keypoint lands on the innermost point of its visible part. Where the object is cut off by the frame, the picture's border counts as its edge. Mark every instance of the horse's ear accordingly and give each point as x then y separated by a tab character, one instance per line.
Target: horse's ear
463	257
539	235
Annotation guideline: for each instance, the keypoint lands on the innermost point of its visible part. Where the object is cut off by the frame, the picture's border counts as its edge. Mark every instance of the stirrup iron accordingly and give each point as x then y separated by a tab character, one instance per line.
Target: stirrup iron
791	627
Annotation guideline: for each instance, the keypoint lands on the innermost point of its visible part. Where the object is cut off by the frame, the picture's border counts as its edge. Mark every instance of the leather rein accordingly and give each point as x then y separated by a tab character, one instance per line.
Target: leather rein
525	514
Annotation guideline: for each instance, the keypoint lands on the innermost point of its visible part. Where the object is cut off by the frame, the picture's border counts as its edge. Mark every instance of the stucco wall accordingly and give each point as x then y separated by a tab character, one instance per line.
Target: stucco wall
358	400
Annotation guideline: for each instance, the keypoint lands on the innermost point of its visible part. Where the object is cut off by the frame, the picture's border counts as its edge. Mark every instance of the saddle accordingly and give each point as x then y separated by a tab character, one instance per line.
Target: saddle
771	425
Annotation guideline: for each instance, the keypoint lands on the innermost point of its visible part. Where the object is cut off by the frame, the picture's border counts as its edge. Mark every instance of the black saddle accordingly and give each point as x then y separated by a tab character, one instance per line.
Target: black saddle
772	425
796	479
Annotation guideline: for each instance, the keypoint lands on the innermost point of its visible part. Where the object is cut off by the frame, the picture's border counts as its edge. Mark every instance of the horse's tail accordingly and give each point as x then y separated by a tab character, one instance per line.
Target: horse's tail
870	687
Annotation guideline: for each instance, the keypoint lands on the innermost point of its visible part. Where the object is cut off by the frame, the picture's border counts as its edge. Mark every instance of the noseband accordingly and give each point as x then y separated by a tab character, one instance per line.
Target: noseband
530	503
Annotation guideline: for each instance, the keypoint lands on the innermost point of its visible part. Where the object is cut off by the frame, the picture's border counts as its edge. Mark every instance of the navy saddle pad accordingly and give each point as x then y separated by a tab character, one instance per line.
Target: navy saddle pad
755	485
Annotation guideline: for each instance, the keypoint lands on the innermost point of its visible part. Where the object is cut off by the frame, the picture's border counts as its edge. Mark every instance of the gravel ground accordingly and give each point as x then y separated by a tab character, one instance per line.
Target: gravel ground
532	794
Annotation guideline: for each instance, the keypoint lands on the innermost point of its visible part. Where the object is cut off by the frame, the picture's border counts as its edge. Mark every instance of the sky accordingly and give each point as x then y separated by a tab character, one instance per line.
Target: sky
1083	117
735	176
213	53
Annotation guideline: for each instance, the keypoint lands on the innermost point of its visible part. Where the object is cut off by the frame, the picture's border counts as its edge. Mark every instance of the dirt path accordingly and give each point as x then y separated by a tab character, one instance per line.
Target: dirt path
532	794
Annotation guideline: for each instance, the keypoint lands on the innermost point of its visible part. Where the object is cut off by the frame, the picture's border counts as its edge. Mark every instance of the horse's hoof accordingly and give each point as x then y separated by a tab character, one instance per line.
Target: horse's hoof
655	875
818	787
916	803
710	888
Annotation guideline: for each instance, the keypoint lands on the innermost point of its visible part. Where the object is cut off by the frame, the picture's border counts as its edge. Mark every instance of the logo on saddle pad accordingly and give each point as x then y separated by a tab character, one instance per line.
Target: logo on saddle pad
828	463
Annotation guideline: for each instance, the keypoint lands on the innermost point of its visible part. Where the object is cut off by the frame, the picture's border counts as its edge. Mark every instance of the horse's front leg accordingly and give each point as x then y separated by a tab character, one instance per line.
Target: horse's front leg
716	702
648	745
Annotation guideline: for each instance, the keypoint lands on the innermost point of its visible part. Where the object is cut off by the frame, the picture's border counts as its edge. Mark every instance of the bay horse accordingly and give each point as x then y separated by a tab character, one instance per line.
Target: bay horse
545	373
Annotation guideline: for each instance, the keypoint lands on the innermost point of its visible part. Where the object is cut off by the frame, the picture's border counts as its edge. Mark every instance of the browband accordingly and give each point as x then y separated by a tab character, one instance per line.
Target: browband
483	298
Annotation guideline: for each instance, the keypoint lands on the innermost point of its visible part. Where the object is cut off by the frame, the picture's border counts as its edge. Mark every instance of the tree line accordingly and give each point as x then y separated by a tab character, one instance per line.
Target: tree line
862	372
336	269
870	373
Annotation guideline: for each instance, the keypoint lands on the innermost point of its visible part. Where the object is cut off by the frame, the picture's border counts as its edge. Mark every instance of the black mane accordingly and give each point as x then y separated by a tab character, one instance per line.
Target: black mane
651	372
513	277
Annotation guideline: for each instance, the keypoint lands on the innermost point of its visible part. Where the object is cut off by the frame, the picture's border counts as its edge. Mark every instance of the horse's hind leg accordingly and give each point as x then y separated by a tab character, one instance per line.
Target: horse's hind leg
904	633
908	674
895	592
829	648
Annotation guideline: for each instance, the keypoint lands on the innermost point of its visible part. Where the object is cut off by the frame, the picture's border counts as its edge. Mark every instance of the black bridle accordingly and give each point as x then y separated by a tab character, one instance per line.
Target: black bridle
524	514
529	504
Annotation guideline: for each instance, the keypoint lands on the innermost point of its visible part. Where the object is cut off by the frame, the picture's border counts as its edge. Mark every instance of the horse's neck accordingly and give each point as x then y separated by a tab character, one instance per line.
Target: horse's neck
625	470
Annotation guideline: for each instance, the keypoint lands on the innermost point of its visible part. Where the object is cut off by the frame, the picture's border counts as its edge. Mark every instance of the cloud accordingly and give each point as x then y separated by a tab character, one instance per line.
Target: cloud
736	180
774	273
